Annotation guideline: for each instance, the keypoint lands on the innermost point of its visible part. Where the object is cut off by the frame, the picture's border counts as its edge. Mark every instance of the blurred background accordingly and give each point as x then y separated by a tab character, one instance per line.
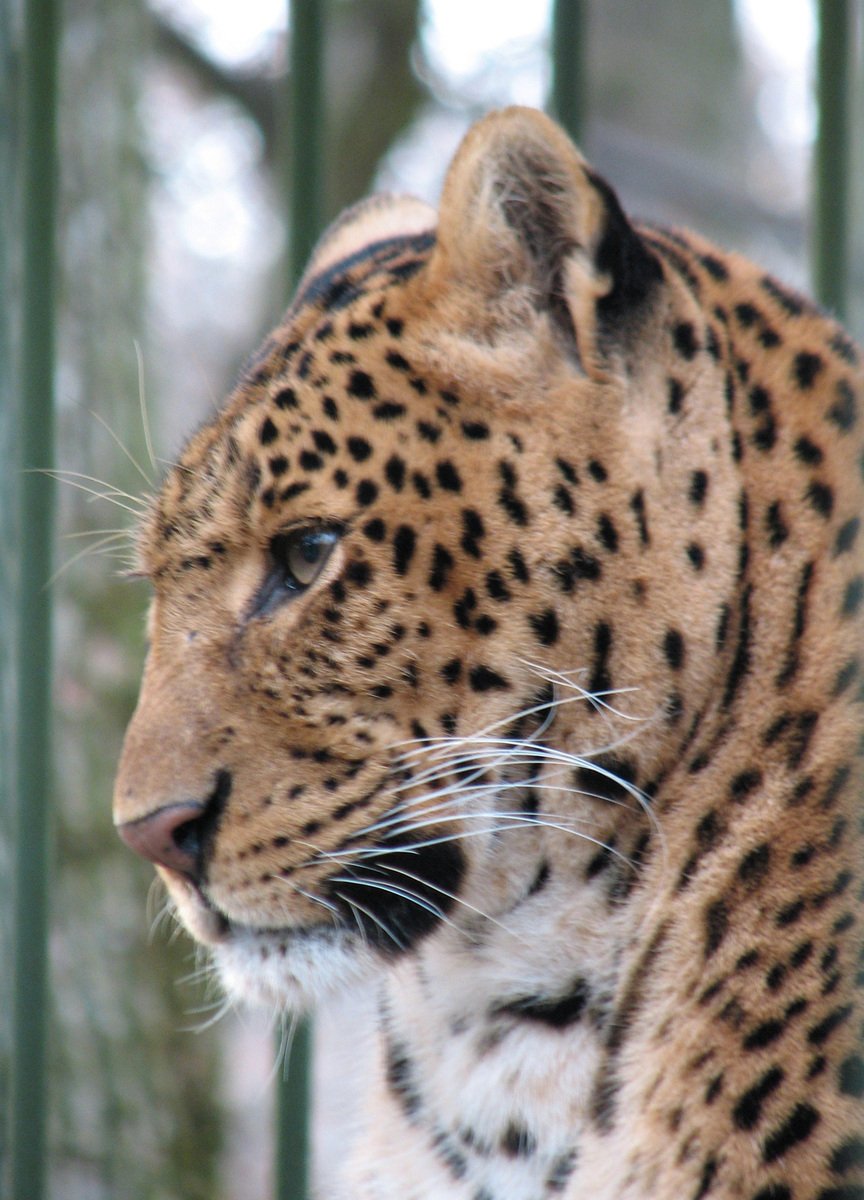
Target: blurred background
172	242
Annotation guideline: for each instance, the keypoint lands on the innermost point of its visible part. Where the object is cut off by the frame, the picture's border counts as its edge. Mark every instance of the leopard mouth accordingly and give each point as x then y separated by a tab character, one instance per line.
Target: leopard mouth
389	901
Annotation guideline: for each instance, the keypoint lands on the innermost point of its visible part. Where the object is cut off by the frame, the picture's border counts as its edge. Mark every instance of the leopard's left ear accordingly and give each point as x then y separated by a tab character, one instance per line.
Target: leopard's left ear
524	221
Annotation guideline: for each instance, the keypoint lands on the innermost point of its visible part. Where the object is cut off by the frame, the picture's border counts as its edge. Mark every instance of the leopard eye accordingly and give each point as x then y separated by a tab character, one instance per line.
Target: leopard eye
297	558
301	555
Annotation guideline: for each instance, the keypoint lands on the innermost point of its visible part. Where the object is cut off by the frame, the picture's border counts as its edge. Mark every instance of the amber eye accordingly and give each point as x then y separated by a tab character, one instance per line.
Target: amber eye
297	558
302	555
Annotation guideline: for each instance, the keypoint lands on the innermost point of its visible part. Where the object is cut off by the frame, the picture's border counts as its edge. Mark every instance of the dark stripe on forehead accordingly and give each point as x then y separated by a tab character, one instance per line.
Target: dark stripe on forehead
376	254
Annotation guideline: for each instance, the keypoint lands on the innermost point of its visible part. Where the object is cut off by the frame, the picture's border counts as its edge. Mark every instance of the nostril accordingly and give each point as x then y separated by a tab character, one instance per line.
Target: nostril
169	837
187	837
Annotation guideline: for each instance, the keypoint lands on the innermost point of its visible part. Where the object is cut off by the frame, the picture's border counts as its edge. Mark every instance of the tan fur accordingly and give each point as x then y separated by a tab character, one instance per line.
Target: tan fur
623	462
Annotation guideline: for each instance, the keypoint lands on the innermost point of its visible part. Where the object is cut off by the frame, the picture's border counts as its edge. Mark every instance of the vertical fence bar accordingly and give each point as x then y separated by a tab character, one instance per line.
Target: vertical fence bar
568	60
29	1093
304	186
306	119
831	237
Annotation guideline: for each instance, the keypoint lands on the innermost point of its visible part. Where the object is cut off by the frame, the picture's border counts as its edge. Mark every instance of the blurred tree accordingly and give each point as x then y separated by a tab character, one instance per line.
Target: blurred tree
134	1099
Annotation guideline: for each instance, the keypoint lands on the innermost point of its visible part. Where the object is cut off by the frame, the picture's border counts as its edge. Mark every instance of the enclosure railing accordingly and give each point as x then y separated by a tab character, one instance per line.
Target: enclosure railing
839	35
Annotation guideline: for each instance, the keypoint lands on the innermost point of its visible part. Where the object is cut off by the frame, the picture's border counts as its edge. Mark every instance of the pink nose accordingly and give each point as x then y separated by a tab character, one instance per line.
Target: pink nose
169	837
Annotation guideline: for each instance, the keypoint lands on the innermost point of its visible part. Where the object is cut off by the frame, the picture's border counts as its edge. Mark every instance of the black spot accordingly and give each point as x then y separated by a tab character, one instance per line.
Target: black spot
844	411
607	534
513	506
358	448
518	565
763	1035
808	452
698	487
309	461
278	465
685	340
797	1127
473	530
743	784
567	470
359	573
268	432
421	485
518	1142
464	607
597	471
778	531
451	671
847	535
706	1180
397	361
673	649
742	660
850	1076
394	469
562	499
562	1168
442	564
293	490
366	492
821	498
716	925
773	1191
401	1078
852	596
696	555
323	441
404	542
676	397
715	268
848	1156
375	530
805	368
637	504
496	586
361	385
545	626
558	1012
820	1032
285	399
484	679
475	430
748	1109
388	410
394	326
428	432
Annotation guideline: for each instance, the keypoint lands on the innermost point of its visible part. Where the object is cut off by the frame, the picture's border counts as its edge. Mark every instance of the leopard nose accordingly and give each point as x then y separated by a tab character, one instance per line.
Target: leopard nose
170	837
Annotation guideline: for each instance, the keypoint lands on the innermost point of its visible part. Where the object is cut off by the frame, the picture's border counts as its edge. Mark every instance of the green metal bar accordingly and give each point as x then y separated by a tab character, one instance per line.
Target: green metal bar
29	1093
832	170
568	65
306	100
293	1111
304	187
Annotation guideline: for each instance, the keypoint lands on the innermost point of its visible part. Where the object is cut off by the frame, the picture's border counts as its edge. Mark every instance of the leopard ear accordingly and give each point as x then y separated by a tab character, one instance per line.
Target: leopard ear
524	221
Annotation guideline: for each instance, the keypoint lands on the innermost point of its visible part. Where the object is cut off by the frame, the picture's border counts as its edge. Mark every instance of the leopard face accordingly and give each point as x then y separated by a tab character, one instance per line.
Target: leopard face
504	636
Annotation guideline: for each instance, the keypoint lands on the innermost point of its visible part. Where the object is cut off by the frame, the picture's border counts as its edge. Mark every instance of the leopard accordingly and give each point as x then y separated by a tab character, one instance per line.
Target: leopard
504	660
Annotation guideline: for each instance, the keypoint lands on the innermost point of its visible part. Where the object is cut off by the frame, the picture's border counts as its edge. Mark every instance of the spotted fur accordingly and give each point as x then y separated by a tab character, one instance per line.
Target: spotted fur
505	649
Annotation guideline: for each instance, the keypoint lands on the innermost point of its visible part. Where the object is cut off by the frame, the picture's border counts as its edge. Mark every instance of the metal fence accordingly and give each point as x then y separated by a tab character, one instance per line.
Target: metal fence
28	501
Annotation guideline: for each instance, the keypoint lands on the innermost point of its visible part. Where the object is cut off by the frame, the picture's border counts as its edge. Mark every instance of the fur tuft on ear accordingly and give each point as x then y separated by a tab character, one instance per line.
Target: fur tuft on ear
523	219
